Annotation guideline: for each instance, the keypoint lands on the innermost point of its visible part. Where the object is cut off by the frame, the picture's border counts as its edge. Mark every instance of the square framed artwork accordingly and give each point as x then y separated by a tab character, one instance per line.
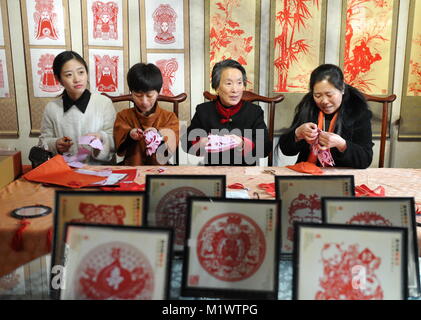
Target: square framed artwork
46	22
301	200
172	69
106	71
99	207
108	262
105	23
232	249
379	211
348	262
44	82
164	24
166	200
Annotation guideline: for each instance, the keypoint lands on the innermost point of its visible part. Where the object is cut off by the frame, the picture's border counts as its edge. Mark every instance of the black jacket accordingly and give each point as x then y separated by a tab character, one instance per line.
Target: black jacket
353	125
245	123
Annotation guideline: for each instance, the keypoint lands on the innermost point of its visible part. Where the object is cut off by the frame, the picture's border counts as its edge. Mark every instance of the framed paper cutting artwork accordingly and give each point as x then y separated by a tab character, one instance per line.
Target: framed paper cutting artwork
232	31
116	263
167	196
348	262
164	24
46	22
297	47
105	23
97	207
379	211
107	71
172	69
232	249
301	200
43	80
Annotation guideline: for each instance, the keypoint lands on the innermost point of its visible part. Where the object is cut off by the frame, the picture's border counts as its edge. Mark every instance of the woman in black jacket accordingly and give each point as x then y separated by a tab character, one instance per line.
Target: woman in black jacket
237	124
332	116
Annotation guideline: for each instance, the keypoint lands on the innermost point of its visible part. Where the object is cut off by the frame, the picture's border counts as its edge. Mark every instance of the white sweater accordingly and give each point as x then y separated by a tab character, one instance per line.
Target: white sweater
99	118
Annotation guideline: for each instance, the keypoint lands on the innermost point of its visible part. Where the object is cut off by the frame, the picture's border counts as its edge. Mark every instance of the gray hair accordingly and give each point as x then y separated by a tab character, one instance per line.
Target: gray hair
220	66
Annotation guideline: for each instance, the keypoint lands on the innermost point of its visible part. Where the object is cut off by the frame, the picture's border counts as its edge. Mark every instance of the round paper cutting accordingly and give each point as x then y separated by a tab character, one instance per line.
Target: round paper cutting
172	210
115	271
231	247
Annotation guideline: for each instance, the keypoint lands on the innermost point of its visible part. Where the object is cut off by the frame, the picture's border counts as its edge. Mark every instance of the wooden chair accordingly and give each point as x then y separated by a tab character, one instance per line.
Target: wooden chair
252	97
385	120
176	100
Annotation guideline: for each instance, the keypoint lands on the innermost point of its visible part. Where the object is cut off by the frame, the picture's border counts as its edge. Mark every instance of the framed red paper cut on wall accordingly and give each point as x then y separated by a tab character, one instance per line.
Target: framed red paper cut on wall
409	127
106	46
368	49
232	31
368	44
296	43
164	38
297	47
46	33
107	72
172	69
105	23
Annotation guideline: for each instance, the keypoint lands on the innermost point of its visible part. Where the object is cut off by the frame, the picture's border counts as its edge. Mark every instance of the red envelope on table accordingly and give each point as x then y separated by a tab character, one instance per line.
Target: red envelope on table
56	171
306	167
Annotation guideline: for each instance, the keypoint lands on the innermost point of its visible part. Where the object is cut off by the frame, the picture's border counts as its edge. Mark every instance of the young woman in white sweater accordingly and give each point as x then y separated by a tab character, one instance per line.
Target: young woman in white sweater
77	113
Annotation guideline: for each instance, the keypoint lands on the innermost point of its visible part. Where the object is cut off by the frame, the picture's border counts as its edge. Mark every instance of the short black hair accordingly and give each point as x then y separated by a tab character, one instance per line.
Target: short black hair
62	58
224	64
144	77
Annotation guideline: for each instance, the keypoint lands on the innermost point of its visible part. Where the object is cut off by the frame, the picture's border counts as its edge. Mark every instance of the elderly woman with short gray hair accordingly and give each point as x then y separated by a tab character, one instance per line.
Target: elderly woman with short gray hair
229	130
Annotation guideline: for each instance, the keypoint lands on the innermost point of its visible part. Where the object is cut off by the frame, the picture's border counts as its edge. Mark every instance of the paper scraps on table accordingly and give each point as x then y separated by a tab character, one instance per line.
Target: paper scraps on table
236	185
363	191
268	187
56	171
220	143
306	167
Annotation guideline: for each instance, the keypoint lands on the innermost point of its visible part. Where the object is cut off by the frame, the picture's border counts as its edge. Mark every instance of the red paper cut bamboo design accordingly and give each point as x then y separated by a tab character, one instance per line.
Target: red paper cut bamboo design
291	18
